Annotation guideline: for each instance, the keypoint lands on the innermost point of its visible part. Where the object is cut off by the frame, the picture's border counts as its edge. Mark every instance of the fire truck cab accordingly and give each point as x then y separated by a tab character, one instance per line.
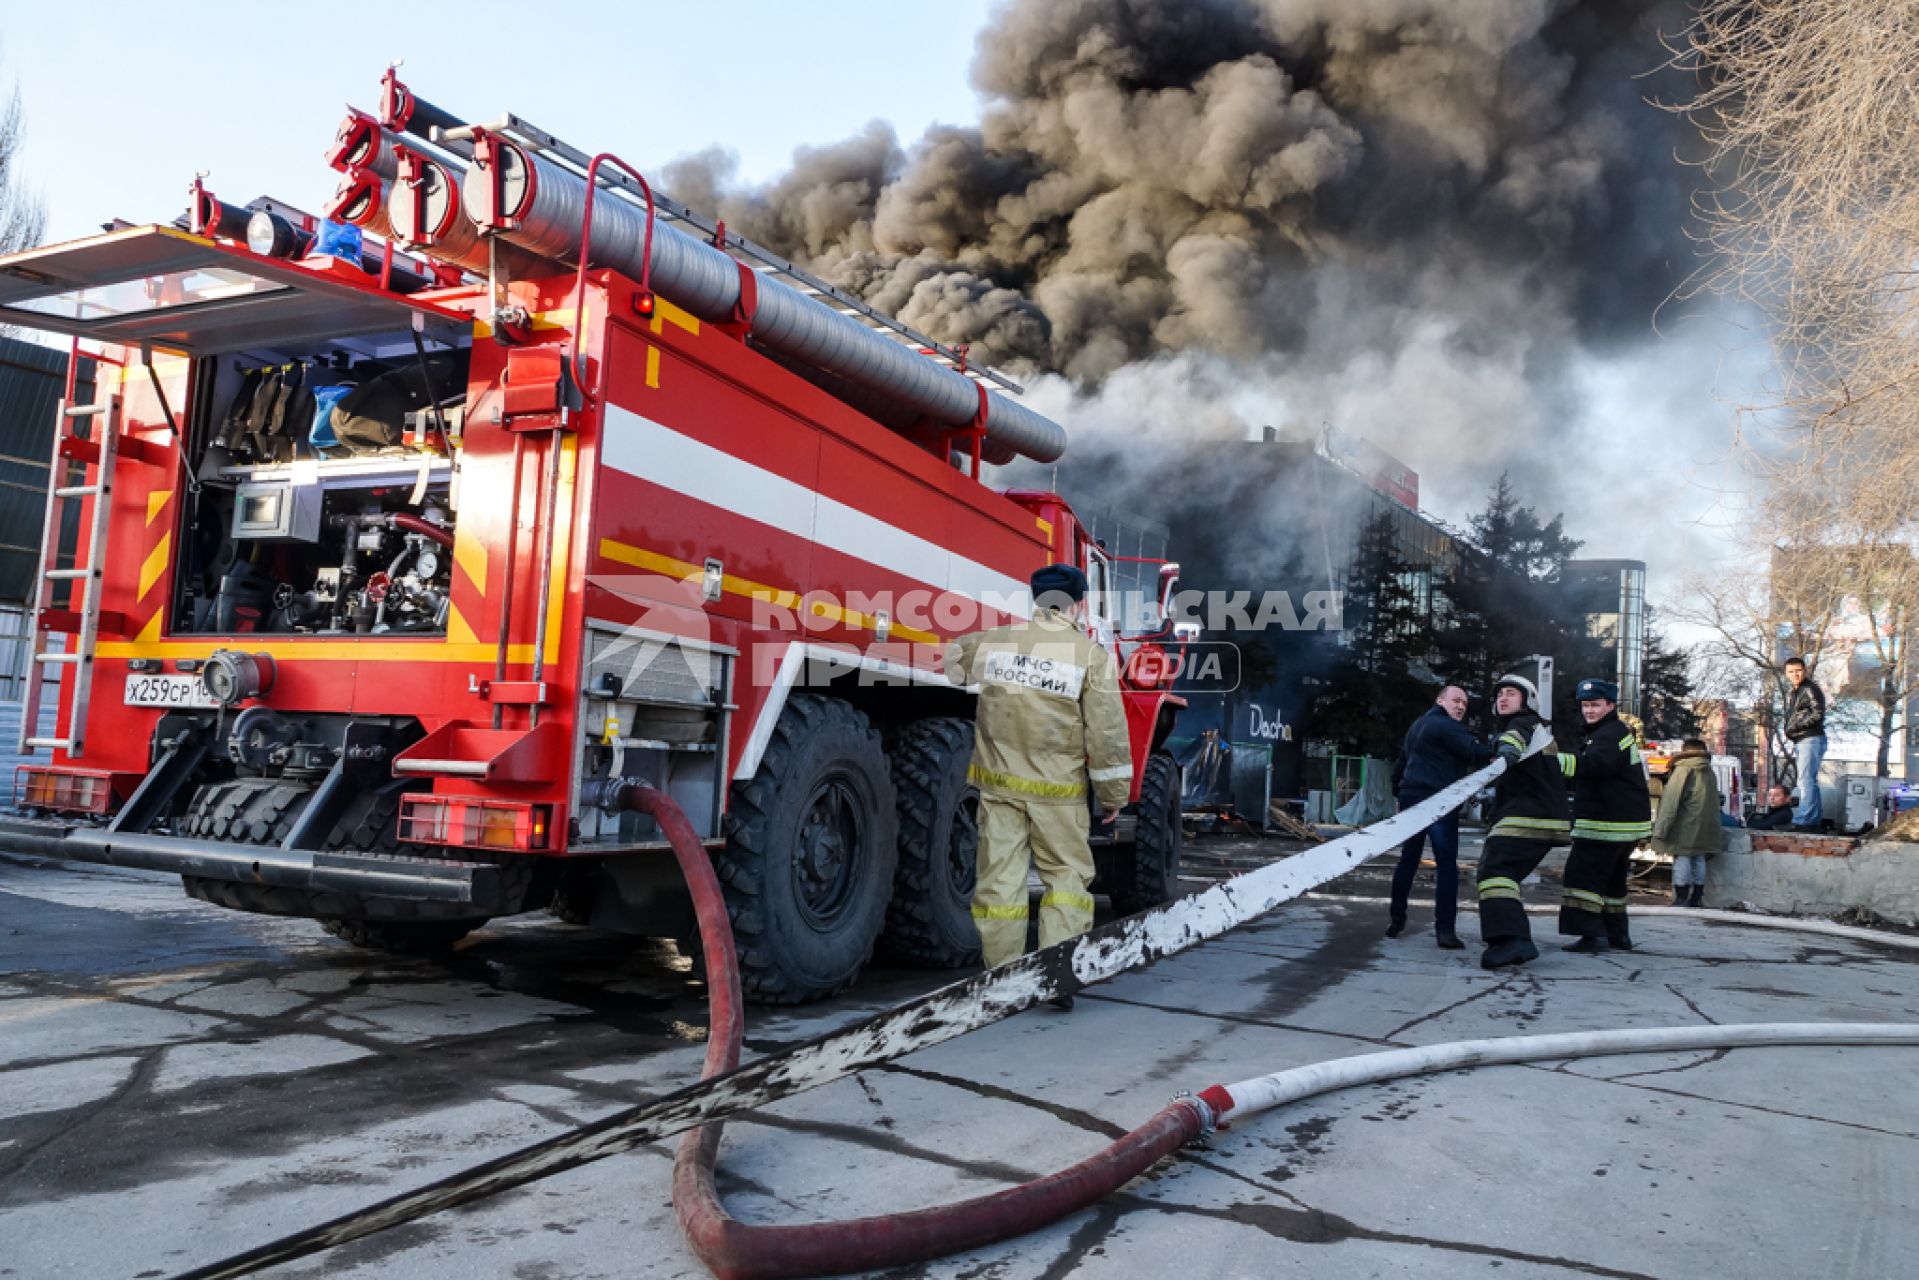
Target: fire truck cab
368	579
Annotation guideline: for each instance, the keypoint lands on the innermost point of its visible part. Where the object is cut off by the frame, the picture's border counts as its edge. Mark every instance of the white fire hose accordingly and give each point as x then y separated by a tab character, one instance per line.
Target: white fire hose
1263	1093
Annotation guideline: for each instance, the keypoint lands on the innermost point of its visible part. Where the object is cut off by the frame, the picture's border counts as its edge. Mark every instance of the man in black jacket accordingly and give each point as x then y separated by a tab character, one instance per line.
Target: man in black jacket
1612	812
1438	752
1529	816
1777	815
1806	730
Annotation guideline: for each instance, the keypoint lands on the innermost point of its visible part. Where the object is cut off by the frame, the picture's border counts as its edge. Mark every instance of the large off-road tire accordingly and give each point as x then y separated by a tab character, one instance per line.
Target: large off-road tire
1151	875
263	810
930	921
405	937
808	864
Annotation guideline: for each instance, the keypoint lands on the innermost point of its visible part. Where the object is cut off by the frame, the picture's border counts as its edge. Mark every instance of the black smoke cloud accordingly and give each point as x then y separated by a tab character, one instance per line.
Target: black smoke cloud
1425	221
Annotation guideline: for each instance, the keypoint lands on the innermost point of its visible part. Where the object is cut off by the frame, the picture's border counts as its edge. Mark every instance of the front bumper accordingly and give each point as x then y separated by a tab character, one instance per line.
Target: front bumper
361	875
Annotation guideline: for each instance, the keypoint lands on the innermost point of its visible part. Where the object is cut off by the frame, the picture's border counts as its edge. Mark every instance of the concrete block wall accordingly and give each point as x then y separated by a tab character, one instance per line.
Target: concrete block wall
1815	875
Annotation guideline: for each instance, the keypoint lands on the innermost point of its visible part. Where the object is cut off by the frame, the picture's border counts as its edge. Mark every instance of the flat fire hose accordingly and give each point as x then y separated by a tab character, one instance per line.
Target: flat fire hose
942	1015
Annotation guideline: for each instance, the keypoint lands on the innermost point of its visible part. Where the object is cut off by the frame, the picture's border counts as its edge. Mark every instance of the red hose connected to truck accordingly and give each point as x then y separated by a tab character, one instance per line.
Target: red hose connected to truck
425	528
736	1250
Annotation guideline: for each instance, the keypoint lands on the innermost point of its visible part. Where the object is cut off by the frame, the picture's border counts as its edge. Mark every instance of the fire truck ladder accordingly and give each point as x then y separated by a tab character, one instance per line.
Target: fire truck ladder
80	621
756	256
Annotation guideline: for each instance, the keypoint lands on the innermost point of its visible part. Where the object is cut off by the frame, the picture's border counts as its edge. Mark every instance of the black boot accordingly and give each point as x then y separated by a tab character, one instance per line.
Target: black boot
1397	927
1508	951
1450	942
1679	895
1698	896
1063	1003
1586	946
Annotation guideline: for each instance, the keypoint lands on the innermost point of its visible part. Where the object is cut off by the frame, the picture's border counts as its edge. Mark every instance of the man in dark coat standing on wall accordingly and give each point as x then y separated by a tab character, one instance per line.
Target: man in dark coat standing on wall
1439	751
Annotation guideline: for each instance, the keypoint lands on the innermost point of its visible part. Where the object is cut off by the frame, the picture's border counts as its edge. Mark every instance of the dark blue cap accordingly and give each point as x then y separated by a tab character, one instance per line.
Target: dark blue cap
1597	690
1058	580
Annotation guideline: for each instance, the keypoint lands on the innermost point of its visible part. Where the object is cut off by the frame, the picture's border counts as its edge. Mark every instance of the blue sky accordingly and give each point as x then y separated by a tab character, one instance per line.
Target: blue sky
124	102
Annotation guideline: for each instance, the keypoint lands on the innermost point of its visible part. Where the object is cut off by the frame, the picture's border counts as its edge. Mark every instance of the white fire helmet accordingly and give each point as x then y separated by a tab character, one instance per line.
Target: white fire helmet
1526	688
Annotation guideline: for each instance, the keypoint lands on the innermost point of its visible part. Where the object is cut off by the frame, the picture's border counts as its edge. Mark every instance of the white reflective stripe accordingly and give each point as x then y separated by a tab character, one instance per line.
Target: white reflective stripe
792	662
644	448
1109	775
1034	671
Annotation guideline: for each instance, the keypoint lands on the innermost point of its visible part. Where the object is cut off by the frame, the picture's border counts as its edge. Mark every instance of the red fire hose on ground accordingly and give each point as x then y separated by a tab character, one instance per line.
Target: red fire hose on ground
735	1250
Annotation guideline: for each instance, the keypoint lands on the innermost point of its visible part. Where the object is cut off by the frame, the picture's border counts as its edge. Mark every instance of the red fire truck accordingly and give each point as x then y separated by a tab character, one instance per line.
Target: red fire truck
393	540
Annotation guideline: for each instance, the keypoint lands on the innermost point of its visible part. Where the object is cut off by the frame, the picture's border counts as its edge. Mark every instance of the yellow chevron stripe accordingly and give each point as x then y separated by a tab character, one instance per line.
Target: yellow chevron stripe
470	554
156	503
458	629
154	565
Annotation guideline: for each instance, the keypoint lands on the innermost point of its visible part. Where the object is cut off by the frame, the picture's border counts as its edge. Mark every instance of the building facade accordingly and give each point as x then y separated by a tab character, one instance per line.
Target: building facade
1612	595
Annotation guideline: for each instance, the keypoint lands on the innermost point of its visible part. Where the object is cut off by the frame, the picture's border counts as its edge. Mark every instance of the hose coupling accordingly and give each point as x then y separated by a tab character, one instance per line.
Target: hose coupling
1208	1121
608	793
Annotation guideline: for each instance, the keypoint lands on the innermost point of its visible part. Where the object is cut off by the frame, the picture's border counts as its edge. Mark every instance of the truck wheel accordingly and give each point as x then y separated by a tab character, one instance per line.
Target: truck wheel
403	937
930	921
808	864
1153	877
263	810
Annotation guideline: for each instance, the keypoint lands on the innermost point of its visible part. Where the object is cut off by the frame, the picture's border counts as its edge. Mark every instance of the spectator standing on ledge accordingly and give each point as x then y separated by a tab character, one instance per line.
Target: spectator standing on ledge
1688	827
1438	751
1806	730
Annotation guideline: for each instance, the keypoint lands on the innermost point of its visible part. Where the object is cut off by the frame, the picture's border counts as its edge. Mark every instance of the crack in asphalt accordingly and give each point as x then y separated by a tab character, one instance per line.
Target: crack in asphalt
1316	1226
1393	1035
1238	1019
1074	1116
1686	1000
1625	1082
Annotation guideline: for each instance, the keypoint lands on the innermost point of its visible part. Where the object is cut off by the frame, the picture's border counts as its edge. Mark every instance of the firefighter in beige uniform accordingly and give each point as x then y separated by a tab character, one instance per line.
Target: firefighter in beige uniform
1050	721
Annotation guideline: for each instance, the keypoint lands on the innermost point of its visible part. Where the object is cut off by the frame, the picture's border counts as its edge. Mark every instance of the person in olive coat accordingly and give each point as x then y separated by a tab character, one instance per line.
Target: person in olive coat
1687	826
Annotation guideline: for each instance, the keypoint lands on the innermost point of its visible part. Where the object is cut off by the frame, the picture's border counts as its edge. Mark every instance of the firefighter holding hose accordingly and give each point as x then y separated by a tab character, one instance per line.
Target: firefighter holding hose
1050	723
1612	812
1529	816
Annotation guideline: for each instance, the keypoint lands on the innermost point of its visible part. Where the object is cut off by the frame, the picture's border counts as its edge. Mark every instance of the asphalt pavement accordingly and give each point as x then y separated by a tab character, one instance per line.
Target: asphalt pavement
178	1082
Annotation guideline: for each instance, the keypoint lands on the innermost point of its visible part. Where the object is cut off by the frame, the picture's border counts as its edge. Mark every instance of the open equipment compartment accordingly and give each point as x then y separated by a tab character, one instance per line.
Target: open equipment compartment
325	489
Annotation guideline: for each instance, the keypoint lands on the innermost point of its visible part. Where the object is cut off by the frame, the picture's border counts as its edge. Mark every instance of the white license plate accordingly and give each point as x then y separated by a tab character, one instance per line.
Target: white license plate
167	691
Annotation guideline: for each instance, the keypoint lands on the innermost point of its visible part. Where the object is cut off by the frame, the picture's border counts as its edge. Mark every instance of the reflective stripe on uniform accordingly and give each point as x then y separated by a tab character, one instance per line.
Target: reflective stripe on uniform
1529	828
1615	905
1618	832
1110	773
1071	901
1498	887
1587	901
1512	740
1568	764
1012	911
982	776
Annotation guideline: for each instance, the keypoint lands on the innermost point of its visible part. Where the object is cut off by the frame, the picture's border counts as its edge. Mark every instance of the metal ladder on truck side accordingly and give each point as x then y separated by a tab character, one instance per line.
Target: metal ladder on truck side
80	621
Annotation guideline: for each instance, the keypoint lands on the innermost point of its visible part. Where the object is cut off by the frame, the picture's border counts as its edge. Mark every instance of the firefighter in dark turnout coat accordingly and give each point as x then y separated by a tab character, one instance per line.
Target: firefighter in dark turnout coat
1529	816
1612	812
